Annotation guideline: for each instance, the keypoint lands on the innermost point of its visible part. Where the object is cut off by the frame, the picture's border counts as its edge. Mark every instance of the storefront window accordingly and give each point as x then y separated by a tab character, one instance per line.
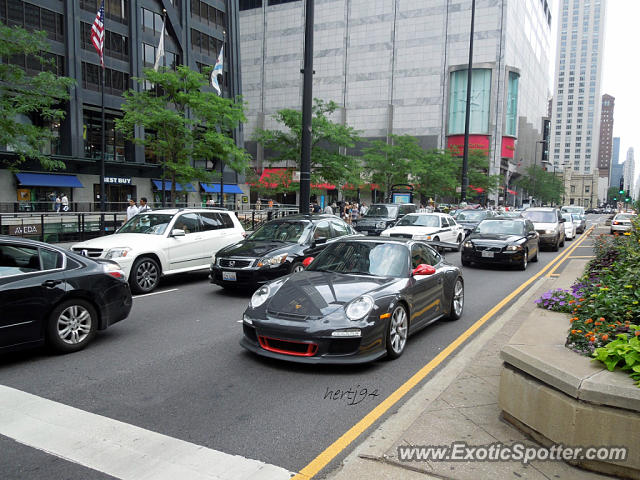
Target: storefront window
114	140
511	126
480	101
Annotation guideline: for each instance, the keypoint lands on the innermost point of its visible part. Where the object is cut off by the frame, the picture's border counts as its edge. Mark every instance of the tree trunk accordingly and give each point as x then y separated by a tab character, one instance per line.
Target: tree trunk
173	189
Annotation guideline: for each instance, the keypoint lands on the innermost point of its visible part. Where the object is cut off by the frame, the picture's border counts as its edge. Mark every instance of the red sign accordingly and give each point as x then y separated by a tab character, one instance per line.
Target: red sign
455	143
508	147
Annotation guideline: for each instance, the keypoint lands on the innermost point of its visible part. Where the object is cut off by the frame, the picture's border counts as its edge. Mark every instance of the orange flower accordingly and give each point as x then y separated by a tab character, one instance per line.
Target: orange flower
597	323
611	326
573	332
578	331
589	320
592	339
581	299
571	302
637	333
605	337
601	319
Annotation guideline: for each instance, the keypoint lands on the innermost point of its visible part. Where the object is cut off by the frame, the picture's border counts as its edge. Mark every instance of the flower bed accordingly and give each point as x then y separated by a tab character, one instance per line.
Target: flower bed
604	304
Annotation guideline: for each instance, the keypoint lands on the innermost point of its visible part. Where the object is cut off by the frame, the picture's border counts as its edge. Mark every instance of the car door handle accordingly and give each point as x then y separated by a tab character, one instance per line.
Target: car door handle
51	283
439	280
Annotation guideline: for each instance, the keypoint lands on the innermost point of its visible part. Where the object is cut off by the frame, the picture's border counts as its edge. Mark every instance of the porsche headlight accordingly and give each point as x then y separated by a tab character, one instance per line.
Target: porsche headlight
118	252
260	296
360	307
513	248
272	261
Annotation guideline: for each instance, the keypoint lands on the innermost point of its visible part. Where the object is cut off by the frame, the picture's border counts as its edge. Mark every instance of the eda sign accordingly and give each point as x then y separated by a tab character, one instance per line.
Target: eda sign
21	230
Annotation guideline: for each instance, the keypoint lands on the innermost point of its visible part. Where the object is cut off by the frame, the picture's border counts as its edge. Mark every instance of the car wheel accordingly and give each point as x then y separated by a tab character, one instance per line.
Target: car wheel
457	300
397	332
466	263
459	242
525	261
535	259
72	325
296	267
556	246
145	275
562	243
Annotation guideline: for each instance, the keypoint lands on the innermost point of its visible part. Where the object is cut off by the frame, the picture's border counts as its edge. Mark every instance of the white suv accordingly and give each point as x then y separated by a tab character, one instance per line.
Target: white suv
164	242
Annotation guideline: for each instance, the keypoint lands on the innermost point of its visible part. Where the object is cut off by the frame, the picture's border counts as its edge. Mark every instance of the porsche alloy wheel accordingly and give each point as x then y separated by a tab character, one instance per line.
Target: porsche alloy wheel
457	300
397	332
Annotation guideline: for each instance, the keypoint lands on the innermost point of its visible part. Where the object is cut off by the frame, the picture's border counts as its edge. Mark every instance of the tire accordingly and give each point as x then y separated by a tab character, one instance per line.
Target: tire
465	263
562	243
397	332
457	300
438	248
296	267
556	246
525	261
535	259
145	275
459	241
71	326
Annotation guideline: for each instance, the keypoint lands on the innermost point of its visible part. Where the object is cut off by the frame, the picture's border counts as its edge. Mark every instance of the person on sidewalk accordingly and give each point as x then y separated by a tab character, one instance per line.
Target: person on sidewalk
58	203
64	203
144	207
132	209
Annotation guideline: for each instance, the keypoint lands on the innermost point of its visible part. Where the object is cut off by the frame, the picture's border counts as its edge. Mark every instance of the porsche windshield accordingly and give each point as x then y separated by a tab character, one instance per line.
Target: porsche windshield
150	223
500	227
281	231
419	221
367	258
387	211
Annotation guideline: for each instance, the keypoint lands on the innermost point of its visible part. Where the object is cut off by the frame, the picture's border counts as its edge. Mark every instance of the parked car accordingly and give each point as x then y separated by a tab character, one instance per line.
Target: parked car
49	295
277	248
580	222
569	227
622	223
506	241
437	227
548	223
165	242
381	216
357	301
469	219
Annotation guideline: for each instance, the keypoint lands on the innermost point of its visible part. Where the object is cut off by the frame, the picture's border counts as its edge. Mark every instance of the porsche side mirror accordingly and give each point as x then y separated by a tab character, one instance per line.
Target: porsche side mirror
319	241
307	261
424	269
177	232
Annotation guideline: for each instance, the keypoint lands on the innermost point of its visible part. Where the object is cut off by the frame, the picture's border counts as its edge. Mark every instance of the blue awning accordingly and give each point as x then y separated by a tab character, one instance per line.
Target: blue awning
215	188
48	180
179	188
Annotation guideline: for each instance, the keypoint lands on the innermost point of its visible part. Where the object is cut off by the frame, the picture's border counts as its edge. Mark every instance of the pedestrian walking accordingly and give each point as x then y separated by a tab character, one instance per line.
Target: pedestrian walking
328	210
132	209
144	207
363	209
64	203
58	203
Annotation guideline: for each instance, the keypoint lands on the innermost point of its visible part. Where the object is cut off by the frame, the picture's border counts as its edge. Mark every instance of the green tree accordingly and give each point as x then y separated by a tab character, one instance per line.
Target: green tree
26	101
183	123
612	193
542	185
390	163
329	140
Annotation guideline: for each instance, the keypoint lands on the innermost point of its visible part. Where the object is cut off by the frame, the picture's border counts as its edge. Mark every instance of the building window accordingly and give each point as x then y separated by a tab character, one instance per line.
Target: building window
114	140
170	59
280	2
117	10
32	17
115	45
480	101
115	81
511	126
249	4
208	14
205	44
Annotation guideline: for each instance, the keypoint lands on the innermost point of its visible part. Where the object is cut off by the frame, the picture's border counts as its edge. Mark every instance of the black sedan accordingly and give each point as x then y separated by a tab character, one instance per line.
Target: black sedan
276	249
357	301
55	296
507	241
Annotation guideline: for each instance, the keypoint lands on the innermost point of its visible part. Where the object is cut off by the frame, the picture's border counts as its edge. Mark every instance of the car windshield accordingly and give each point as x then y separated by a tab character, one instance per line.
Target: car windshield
624	216
419	221
510	214
572	209
150	223
540	216
576	217
471	215
368	258
281	231
500	227
569	217
382	211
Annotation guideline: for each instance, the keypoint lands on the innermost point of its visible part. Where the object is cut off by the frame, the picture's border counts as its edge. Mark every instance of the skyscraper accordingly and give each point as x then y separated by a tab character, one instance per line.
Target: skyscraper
604	148
576	108
629	172
616	166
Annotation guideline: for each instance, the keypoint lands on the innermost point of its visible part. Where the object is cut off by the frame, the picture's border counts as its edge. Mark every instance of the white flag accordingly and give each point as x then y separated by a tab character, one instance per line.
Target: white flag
160	53
217	70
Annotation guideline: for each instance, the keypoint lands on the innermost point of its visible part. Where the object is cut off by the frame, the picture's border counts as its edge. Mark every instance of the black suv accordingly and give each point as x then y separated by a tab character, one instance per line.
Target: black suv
381	216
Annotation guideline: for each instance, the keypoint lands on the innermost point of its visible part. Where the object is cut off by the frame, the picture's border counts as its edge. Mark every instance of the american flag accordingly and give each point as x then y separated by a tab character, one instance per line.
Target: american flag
97	33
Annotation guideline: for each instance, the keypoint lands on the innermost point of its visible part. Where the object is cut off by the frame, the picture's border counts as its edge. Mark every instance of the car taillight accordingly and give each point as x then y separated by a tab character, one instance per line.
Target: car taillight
113	270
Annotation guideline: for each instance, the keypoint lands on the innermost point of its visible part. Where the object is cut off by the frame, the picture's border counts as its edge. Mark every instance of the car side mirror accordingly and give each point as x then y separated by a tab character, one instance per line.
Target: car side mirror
177	232
424	269
319	241
307	261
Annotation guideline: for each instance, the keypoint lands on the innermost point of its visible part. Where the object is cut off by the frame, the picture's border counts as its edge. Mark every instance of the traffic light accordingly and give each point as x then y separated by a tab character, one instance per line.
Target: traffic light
621	191
615	199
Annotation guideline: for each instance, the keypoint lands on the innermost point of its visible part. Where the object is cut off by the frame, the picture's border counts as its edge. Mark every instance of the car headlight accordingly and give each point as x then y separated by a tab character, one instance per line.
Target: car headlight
553	230
247	319
468	245
117	252
513	248
422	237
260	296
381	225
272	261
360	307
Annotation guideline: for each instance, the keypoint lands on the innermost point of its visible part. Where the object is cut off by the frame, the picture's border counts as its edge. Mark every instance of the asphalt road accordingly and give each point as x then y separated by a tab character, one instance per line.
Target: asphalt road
175	367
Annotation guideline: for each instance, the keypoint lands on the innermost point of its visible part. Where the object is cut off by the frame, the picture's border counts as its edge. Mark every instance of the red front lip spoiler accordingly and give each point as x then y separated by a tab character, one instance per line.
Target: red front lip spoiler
312	348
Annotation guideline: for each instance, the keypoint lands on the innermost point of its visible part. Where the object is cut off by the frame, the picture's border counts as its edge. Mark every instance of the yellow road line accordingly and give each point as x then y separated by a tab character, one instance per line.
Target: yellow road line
333	450
571	250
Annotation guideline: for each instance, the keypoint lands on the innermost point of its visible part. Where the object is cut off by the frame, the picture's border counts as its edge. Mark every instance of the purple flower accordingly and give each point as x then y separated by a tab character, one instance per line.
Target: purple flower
562	303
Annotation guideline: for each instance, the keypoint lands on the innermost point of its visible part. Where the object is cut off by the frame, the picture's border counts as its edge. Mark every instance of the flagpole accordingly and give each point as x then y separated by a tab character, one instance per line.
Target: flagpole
102	159
224	37
164	25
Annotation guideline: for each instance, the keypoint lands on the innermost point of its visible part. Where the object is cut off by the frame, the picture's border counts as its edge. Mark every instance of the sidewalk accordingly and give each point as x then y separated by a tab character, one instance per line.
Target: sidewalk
460	404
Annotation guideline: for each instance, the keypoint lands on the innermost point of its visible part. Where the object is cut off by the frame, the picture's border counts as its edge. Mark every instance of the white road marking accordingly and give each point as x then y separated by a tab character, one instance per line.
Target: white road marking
238	321
155	293
116	448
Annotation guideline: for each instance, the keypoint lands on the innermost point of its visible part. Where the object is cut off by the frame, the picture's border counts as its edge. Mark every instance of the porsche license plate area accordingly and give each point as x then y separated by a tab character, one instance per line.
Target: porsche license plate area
229	276
487	254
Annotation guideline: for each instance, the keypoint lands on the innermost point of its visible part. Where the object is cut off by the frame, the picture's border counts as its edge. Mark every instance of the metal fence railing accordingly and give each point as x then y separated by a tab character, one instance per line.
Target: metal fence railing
55	227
